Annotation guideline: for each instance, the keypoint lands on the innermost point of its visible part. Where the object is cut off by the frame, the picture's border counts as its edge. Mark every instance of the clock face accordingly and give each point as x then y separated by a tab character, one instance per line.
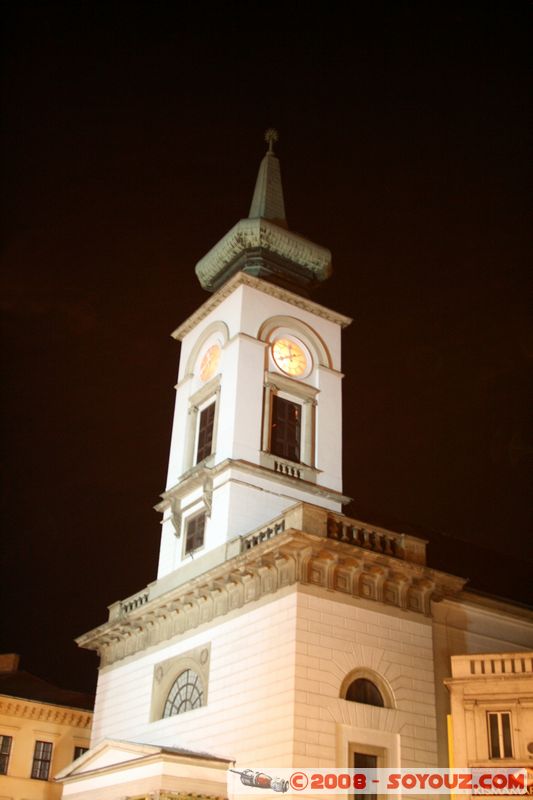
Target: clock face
209	363
289	357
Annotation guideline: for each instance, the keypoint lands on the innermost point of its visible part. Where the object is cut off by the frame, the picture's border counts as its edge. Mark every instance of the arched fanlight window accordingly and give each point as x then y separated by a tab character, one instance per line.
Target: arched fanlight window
185	694
361	690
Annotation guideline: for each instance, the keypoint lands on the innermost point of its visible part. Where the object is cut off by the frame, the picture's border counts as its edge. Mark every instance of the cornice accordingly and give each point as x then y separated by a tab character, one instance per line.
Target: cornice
492	607
289	558
42	712
199	474
242	279
127	755
496	606
474	681
164	795
184	796
248	235
143	760
169	795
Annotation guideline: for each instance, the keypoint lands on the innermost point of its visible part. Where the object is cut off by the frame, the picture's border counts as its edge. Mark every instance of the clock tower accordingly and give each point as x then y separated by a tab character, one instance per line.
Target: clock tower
257	423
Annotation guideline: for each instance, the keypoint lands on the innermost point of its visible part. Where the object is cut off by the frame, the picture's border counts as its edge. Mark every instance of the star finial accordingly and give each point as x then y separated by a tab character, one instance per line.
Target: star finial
271	136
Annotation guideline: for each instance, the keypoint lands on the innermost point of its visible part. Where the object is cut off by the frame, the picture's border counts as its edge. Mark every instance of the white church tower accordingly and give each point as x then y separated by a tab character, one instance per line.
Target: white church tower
257	423
278	631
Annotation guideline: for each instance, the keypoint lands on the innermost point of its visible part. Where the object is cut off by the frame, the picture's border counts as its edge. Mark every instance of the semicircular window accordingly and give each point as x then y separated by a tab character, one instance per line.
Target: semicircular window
185	694
361	690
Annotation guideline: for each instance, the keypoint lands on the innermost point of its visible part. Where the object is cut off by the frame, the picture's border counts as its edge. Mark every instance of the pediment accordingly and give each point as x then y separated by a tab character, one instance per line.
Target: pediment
105	754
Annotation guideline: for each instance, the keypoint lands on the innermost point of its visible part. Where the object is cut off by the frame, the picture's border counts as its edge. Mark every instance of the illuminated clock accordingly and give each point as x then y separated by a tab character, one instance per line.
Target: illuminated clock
209	363
290	357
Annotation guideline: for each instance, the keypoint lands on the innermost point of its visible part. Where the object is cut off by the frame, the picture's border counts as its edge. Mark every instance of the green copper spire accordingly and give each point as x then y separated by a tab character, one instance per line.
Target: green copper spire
261	245
267	201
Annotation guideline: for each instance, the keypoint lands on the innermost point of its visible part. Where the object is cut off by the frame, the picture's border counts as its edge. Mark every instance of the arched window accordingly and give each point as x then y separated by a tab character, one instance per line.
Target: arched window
185	694
361	690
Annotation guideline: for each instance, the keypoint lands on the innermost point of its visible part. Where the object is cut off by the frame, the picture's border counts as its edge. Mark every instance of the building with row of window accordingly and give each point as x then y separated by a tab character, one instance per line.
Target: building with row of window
43	729
279	631
492	710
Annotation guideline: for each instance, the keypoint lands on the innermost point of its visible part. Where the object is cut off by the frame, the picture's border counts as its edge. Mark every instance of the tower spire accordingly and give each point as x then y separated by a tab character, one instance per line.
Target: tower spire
262	244
267	201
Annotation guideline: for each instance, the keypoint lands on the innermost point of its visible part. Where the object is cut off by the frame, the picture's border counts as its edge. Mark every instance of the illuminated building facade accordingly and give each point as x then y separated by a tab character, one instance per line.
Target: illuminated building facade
492	710
42	730
278	631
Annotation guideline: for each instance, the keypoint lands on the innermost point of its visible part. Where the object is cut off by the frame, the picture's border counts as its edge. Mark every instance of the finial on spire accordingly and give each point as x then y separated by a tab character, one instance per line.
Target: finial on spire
271	136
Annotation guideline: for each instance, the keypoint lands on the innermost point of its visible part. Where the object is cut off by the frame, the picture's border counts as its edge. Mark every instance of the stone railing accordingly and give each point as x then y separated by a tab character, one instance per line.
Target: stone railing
263	534
135	601
321	522
492	664
316	521
287	469
129	604
346	530
378	540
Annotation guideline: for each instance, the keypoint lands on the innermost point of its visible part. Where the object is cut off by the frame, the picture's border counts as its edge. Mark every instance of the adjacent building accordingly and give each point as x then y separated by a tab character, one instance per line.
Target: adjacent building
492	710
43	729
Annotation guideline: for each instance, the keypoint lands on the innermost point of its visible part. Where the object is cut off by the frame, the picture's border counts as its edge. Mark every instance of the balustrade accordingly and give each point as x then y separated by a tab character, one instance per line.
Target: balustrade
287	469
346	530
493	664
136	601
263	535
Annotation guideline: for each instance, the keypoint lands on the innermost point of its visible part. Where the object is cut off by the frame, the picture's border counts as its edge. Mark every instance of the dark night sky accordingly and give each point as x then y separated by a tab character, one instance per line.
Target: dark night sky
132	137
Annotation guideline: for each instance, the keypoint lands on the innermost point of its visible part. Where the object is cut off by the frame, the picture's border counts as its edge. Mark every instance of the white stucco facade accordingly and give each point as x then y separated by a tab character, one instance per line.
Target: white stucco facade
275	677
283	602
243	319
